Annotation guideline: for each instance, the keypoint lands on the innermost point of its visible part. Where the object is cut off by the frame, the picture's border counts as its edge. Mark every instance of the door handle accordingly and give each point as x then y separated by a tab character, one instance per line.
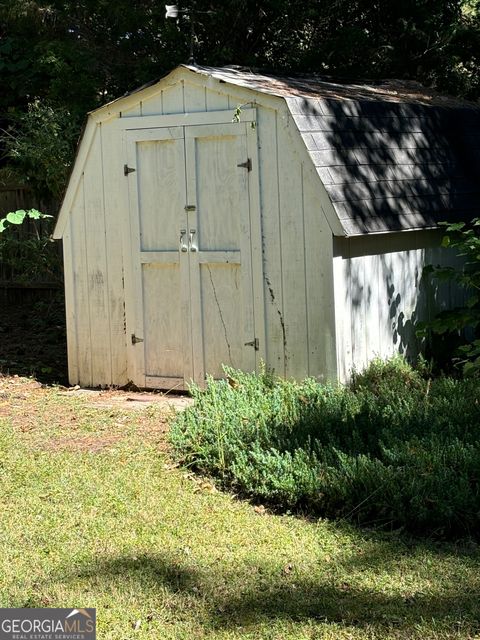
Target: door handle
183	243
191	242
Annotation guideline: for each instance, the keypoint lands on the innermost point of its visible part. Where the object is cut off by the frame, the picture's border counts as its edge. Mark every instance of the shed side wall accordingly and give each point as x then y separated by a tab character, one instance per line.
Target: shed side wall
380	294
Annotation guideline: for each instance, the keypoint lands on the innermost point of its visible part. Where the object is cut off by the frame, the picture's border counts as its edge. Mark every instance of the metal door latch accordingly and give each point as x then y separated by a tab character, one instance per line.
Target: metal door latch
191	241
135	339
254	343
183	243
127	169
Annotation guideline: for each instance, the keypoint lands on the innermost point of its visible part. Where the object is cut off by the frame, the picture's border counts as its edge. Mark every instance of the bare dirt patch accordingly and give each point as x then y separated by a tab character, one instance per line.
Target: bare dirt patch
59	419
127	400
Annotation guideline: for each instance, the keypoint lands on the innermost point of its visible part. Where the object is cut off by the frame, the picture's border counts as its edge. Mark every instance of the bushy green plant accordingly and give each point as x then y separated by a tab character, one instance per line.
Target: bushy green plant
465	239
397	449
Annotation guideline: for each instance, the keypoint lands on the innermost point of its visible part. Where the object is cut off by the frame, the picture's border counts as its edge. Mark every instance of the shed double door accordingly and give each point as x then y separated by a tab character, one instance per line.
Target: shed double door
191	253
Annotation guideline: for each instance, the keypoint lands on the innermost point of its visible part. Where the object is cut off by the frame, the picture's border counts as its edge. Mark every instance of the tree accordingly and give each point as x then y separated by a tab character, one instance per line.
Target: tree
66	57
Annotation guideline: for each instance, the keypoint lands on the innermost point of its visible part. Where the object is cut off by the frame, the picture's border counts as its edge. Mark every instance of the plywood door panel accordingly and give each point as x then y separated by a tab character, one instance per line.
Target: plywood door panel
220	251
222	320
162	320
161	275
193	307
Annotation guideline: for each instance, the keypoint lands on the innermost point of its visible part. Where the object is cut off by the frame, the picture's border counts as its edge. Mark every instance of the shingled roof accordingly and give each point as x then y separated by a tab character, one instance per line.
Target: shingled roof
392	155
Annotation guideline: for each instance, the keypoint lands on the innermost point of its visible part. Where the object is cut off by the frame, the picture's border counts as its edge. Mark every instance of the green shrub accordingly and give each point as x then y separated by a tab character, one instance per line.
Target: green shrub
396	449
462	322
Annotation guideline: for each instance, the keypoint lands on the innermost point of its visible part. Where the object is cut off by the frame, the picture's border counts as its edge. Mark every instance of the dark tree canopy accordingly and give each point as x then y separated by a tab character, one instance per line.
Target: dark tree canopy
67	57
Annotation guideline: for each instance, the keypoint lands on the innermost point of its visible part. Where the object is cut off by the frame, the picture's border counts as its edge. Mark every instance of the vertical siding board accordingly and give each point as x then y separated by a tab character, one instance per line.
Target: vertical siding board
115	200
136	110
195	98
133	271
319	283
382	304
311	233
357	291
271	240
171	100
81	291
129	228
70	308
256	244
293	261
153	105
370	302
97	276
343	330
216	101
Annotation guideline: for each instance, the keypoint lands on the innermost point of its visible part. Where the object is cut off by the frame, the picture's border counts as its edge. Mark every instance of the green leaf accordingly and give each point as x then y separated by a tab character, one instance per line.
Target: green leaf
456	226
35	214
16	217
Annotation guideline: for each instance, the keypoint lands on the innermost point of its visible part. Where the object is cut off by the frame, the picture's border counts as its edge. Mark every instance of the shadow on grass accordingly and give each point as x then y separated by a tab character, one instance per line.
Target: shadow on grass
262	592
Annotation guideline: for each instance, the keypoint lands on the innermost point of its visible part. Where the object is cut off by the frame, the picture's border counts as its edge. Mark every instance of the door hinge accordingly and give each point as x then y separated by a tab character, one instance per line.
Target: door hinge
135	339
246	165
127	170
190	207
254	343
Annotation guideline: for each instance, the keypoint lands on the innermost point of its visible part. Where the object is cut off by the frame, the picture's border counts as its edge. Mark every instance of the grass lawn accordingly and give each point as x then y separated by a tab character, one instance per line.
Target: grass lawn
94	515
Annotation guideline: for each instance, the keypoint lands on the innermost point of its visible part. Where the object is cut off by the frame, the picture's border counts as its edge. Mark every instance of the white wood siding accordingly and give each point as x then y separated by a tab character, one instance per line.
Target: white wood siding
70	306
94	272
379	294
297	255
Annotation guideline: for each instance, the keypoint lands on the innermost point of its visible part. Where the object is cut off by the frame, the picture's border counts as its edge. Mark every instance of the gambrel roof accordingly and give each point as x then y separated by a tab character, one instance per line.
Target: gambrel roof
392	155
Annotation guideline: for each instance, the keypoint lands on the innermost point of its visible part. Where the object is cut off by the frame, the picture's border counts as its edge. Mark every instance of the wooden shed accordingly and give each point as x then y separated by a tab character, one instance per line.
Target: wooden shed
219	216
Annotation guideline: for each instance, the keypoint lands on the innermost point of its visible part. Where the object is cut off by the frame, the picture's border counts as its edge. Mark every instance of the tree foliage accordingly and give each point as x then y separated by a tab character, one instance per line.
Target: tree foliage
61	58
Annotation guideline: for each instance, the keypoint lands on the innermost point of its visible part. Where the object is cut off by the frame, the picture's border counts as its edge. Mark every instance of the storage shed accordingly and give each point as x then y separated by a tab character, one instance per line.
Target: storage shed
219	216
